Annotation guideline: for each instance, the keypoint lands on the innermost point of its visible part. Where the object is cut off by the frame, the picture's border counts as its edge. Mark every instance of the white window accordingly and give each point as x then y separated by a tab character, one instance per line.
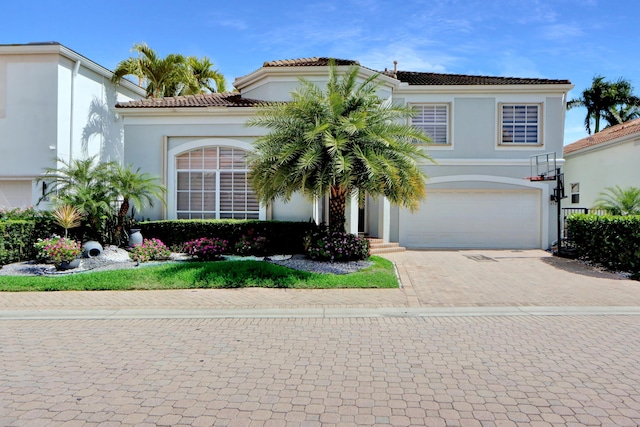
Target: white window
211	183
575	192
520	124
433	119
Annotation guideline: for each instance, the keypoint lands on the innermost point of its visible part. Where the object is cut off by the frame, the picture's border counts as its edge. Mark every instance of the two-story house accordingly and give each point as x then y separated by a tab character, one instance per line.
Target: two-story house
484	130
54	104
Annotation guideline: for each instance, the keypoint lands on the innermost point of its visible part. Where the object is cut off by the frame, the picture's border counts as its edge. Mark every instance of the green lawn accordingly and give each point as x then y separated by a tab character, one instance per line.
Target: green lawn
190	275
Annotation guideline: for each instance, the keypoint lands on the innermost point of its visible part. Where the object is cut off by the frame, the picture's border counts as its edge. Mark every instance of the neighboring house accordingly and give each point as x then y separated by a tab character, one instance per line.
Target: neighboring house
605	159
485	130
54	103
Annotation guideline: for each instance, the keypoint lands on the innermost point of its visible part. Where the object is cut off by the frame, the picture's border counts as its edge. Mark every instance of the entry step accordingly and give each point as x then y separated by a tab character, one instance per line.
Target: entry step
377	246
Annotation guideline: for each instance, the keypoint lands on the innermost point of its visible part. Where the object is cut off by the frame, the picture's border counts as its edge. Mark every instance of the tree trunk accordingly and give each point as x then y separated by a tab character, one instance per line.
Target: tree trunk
337	204
122	214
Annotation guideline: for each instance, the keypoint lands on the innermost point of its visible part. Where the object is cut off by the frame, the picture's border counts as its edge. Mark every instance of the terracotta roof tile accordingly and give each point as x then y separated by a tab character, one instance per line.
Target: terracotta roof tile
309	62
227	99
421	78
609	134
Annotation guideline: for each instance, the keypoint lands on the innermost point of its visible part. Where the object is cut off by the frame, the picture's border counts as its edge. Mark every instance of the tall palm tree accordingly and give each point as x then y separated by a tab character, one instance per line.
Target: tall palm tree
611	101
620	201
336	141
627	105
132	188
204	77
160	76
170	76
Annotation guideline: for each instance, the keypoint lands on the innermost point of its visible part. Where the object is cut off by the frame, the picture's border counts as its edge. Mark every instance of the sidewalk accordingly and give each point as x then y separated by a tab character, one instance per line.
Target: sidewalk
432	282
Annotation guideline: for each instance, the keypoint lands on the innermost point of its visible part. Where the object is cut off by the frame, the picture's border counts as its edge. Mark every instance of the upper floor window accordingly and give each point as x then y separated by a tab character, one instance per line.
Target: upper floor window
575	192
433	119
211	183
520	124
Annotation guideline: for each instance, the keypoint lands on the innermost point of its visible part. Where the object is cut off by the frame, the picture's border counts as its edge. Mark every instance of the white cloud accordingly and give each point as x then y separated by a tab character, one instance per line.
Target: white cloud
409	58
236	24
513	65
561	32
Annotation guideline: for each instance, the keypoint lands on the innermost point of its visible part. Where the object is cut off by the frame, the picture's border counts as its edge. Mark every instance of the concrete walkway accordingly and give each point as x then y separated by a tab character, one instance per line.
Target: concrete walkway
474	338
430	279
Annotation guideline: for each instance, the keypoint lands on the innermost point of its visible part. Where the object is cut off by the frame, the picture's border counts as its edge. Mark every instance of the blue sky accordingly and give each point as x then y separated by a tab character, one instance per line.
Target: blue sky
560	39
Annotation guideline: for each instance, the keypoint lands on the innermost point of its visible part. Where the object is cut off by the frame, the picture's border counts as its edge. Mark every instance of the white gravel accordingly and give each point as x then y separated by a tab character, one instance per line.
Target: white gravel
114	258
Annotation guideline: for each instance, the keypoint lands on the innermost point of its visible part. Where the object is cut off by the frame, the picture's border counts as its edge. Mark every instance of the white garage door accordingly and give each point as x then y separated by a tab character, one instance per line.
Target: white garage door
474	219
15	194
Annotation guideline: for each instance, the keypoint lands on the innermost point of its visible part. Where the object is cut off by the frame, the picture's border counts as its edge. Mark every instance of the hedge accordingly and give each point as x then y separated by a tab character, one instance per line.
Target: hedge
610	241
16	240
281	236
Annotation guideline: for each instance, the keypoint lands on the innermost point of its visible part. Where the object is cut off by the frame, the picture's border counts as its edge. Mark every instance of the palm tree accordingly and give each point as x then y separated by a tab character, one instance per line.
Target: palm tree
170	76
619	201
132	188
160	76
204	78
626	105
337	141
82	183
613	102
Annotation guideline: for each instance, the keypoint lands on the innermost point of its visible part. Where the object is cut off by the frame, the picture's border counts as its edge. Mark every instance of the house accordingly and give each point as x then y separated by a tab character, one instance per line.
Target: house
485	131
54	103
604	159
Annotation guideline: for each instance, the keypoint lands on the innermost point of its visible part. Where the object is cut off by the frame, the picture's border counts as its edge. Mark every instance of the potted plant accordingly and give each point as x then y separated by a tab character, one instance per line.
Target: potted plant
60	251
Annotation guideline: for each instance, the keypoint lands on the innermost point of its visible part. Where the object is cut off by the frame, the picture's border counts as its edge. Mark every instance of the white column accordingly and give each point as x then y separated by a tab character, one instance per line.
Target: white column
384	219
316	213
352	216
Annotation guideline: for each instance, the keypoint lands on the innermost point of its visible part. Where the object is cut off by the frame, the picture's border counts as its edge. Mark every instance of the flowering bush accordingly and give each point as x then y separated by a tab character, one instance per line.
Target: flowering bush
206	248
336	246
251	245
150	250
57	249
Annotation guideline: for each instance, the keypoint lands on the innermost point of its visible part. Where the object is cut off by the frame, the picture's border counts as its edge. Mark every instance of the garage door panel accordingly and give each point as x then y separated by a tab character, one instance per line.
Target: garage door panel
474	219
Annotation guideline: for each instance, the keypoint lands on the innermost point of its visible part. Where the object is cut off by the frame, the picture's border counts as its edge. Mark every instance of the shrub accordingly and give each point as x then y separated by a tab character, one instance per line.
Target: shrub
150	250
281	236
328	245
57	249
610	241
16	240
250	244
206	249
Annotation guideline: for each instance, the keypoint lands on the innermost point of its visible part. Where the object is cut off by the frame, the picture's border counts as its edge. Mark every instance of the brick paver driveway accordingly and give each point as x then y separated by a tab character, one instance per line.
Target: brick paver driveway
406	364
508	278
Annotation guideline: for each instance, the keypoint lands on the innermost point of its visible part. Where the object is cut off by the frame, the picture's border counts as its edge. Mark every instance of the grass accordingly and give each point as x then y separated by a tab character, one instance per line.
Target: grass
192	275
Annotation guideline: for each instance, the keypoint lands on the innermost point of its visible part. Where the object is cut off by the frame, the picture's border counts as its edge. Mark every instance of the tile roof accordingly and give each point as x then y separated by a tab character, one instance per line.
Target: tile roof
422	78
309	62
609	134
227	99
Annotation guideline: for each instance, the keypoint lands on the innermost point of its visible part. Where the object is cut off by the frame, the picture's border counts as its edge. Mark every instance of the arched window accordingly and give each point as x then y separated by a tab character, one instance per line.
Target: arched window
211	183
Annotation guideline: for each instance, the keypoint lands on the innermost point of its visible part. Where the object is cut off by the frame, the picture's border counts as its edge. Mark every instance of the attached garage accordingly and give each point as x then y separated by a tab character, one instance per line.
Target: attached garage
15	194
500	219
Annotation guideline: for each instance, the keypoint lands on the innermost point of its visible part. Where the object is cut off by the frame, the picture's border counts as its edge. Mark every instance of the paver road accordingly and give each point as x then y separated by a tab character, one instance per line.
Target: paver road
437	371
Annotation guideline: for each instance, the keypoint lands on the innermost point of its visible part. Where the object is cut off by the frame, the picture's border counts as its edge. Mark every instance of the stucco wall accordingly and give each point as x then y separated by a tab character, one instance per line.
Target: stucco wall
29	125
600	168
146	149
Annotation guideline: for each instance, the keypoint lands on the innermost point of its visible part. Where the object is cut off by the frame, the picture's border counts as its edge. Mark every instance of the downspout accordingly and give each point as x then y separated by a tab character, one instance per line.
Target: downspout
76	68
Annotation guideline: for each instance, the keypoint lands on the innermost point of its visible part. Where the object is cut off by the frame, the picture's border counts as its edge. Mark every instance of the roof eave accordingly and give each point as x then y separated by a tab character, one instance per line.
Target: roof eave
59	49
601	145
470	89
184	111
296	72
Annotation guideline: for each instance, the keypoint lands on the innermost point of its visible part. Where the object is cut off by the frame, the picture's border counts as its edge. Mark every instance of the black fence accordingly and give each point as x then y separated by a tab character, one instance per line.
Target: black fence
566	212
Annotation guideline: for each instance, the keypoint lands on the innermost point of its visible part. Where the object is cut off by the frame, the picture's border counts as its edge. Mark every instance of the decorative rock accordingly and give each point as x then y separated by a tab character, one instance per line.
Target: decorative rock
68	265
